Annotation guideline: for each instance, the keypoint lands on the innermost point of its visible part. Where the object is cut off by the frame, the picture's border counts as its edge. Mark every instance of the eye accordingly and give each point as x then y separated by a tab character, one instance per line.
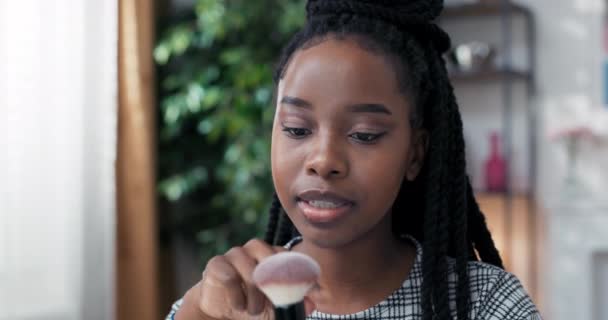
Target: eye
296	133
366	138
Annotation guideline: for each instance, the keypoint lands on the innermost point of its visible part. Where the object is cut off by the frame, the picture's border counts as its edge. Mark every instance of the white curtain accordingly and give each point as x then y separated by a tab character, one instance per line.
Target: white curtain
57	152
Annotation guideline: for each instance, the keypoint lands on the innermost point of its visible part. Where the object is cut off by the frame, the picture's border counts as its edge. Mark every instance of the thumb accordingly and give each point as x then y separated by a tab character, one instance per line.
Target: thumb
309	306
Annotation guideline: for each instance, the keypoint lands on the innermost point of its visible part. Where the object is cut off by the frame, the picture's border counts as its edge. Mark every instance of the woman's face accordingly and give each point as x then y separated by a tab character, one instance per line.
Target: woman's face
341	142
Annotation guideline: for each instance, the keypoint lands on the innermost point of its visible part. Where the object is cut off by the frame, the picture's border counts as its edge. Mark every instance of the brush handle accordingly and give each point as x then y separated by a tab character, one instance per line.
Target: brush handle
294	311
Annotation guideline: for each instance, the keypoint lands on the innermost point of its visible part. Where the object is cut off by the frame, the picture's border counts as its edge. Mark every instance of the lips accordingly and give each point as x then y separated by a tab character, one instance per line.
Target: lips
320	206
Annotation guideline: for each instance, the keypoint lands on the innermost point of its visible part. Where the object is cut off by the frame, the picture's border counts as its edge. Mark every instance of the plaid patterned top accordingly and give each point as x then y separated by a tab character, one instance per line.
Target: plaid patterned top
495	295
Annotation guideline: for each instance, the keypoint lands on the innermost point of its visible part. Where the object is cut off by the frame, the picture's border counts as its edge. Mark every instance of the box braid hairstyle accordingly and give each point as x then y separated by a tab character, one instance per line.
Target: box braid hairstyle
438	208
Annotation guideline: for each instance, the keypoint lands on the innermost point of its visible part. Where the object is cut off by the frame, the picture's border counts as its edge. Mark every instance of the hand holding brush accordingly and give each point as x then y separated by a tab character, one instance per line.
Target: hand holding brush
227	289
286	278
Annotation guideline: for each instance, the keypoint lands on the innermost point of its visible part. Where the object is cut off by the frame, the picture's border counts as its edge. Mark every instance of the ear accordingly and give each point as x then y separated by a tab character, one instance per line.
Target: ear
419	147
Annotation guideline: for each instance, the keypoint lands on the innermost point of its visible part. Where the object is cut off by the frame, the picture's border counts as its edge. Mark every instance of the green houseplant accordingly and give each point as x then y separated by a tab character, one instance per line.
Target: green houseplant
215	90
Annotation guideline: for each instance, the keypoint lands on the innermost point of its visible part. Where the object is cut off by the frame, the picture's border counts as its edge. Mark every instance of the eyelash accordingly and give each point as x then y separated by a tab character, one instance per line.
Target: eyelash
367	138
293	132
360	137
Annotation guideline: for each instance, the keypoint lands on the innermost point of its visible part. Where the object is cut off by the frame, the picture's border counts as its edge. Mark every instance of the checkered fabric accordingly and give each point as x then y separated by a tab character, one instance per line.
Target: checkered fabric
495	295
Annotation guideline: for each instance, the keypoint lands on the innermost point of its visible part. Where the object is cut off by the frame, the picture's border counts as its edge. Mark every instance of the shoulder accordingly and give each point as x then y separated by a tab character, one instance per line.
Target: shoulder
497	294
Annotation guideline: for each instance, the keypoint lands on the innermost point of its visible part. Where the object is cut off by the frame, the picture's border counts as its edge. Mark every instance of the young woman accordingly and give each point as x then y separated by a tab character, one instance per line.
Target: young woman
368	164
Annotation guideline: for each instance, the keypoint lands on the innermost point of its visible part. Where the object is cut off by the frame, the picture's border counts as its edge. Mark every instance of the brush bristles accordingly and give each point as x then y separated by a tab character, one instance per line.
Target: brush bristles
286	277
282	295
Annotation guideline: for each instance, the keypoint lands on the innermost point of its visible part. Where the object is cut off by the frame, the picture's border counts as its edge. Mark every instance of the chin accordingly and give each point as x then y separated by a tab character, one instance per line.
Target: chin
327	239
325	243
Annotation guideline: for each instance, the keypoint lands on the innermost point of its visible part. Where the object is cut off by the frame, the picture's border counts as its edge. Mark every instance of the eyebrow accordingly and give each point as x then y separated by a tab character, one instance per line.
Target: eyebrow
296	102
369	107
357	108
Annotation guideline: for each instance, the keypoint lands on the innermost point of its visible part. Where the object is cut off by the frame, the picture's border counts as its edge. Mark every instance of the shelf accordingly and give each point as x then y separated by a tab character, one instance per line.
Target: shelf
483	8
480	194
490	74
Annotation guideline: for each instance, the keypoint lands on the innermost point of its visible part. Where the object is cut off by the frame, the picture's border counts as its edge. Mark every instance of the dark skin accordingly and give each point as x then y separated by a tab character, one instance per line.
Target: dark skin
341	125
327	136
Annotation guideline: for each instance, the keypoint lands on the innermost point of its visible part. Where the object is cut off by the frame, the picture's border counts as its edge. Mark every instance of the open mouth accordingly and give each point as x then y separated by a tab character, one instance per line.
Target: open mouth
323	207
322	204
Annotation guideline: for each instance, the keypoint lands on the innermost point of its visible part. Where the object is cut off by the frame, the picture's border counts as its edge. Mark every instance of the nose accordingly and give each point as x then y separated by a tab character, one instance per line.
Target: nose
327	160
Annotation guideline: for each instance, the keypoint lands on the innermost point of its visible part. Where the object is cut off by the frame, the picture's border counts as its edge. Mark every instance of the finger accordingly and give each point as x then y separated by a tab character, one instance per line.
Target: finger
222	276
259	249
310	298
244	264
309	306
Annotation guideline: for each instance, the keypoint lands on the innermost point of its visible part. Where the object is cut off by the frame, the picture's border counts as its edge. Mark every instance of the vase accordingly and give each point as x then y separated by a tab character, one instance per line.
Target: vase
495	167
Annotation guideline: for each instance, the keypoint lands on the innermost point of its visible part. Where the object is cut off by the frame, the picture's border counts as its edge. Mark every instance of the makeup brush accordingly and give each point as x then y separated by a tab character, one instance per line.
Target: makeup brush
285	278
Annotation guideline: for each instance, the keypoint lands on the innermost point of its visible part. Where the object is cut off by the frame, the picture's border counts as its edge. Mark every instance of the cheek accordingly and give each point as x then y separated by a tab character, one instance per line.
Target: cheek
381	174
285	164
275	166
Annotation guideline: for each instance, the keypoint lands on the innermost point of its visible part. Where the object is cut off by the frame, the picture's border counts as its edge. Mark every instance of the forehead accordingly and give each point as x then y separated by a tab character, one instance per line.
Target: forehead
342	69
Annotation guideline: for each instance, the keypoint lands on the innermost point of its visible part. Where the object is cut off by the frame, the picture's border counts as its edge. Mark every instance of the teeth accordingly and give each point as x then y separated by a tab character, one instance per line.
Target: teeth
325	204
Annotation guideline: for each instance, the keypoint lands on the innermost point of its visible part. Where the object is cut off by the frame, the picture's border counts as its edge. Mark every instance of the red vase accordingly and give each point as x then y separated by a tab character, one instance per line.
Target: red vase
495	167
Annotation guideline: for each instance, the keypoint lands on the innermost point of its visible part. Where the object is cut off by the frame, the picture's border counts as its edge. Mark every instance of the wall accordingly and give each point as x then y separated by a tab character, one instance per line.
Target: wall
569	81
570	88
570	92
57	138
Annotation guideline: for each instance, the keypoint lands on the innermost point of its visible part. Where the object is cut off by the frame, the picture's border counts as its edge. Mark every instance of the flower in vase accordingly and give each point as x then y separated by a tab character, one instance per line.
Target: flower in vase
572	136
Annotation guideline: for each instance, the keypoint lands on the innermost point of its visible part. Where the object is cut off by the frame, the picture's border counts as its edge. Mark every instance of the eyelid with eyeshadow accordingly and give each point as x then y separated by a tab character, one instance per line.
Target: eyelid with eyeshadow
367	137
362	137
295	132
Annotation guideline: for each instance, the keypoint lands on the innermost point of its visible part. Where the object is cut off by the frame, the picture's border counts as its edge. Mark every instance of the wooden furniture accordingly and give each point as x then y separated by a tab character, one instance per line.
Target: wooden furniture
137	254
493	206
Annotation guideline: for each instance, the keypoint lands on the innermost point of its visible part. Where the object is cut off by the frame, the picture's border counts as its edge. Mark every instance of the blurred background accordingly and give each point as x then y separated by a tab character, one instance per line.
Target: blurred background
134	145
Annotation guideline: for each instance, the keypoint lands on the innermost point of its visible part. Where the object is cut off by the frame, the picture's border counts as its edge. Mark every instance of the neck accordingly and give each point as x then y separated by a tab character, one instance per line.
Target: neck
362	272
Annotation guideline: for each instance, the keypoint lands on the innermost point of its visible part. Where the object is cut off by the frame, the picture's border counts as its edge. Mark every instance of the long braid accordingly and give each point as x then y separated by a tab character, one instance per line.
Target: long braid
442	112
284	230
459	204
460	221
280	229
482	239
429	244
273	218
460	245
434	202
